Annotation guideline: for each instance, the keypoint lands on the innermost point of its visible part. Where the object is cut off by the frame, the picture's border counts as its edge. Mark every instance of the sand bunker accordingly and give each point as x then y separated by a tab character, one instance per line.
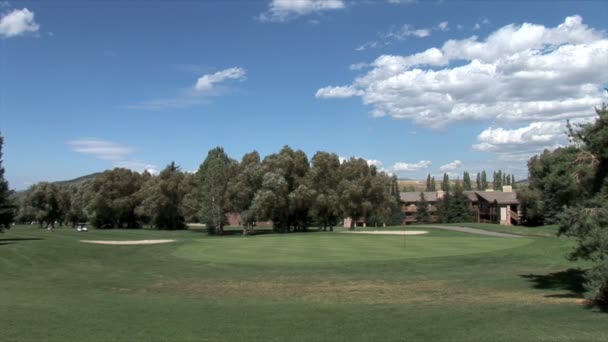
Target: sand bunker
392	232
131	242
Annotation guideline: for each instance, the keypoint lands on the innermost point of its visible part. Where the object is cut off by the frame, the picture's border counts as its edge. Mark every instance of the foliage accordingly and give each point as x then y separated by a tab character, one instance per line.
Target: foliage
167	198
423	215
587	220
445	184
214	173
7	207
466	181
113	199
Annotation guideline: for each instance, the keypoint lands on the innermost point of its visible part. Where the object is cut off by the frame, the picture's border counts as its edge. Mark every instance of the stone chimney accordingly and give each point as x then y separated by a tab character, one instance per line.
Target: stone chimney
507	188
440	194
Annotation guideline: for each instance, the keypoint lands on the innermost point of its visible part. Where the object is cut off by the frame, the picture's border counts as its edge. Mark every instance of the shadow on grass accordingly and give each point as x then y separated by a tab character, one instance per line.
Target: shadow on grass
11	241
18	239
571	280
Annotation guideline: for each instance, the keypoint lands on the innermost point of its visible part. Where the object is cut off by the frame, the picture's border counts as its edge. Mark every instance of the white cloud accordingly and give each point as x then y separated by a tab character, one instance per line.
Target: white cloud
402	1
401	166
536	135
450	166
374	162
284	10
101	149
358	66
17	22
337	92
519	73
120	155
402	33
206	83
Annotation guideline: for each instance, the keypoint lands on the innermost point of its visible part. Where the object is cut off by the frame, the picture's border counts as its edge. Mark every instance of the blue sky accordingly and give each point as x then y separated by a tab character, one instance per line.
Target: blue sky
414	87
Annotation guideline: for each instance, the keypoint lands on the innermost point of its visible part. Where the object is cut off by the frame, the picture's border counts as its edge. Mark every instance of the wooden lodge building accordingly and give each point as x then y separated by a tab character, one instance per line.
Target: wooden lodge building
489	206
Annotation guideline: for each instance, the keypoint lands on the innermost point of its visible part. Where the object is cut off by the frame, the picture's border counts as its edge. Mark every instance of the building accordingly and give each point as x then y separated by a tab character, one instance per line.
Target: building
489	206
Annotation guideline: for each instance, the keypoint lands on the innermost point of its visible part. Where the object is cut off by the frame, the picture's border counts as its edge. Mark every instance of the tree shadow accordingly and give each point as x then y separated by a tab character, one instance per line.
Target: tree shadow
18	239
571	280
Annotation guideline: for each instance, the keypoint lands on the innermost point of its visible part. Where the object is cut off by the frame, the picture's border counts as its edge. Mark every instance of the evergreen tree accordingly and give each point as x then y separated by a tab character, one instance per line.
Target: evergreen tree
466	181
433	187
428	182
422	215
7	208
513	181
504	179
445	185
478	181
508	180
484	181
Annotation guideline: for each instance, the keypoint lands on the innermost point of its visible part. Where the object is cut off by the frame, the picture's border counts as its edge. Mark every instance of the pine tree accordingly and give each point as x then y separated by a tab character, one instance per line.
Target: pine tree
508	181
484	181
7	209
428	182
478	181
513	181
466	181
433	186
445	185
423	215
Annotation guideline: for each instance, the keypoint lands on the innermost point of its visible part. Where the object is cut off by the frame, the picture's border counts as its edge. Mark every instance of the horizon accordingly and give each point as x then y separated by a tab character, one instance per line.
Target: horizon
412	87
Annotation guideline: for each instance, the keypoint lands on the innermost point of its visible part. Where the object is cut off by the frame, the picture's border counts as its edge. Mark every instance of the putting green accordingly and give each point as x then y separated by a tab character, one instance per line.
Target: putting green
311	248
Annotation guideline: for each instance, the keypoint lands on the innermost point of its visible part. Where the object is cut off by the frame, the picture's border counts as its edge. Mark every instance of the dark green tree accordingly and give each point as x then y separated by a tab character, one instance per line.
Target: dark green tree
423	215
428	183
445	184
466	181
587	220
7	207
167	199
484	181
433	186
324	177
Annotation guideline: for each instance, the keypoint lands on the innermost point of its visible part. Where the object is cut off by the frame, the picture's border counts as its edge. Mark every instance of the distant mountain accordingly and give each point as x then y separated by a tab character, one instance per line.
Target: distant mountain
79	180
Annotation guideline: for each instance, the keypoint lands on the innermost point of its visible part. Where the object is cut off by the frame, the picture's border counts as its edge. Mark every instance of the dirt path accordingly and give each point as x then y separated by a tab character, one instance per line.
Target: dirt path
473	231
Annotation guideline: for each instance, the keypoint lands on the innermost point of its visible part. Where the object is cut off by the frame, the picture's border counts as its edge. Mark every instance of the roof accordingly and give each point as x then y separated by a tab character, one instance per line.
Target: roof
471	195
414	196
499	197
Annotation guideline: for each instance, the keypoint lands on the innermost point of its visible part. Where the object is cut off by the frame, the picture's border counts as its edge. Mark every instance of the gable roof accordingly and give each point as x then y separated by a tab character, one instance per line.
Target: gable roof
499	197
414	196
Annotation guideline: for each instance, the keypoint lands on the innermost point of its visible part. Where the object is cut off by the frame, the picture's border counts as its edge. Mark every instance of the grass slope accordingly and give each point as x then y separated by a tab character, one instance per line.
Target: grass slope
310	286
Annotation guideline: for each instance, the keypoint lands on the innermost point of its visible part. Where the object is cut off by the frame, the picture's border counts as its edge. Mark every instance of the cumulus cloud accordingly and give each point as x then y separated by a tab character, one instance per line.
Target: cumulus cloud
450	166
519	73
284	10
207	82
535	135
401	166
120	155
374	162
17	22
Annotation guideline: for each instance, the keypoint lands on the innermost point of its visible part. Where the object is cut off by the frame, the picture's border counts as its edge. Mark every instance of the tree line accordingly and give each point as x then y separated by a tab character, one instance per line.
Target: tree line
499	179
285	187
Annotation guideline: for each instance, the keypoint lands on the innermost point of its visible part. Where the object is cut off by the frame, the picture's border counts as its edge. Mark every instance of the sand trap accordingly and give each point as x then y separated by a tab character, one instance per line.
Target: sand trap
131	242
391	232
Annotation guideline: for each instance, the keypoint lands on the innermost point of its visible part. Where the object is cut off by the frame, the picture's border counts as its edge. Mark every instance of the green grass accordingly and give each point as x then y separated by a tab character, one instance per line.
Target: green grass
444	286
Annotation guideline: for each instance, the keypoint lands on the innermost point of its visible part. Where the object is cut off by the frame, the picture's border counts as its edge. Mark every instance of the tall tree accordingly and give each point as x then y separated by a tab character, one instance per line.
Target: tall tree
587	220
423	215
167	199
324	177
478	181
513	183
215	172
355	180
466	181
445	184
433	186
484	181
243	187
7	208
428	183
